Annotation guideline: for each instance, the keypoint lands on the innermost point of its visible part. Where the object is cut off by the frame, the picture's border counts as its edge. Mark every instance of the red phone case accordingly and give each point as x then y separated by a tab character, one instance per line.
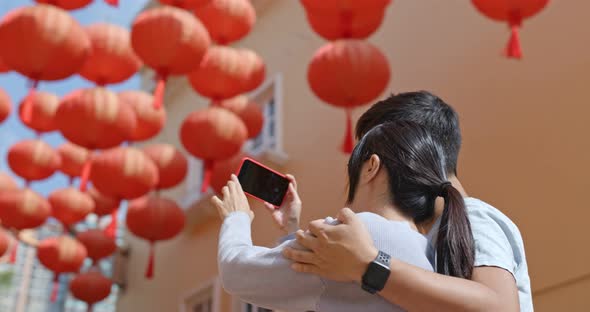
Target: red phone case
265	167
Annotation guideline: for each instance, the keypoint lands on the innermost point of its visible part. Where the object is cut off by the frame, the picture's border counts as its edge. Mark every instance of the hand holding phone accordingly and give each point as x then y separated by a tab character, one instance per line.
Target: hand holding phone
287	216
262	182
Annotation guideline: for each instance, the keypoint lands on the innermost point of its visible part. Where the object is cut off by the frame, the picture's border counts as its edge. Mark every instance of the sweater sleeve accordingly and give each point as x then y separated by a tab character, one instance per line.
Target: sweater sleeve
260	275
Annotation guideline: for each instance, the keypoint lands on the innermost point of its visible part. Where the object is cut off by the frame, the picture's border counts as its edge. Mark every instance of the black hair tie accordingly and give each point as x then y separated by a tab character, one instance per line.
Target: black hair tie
443	189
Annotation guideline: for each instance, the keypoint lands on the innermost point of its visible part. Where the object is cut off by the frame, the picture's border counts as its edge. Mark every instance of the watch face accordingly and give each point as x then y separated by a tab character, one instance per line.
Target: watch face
376	276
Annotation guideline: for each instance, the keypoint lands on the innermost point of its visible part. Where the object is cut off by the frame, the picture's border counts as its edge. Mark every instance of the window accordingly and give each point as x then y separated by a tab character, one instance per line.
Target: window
204	299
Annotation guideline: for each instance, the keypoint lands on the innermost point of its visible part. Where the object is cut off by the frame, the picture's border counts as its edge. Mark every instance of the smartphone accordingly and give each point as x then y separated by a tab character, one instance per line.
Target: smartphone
262	182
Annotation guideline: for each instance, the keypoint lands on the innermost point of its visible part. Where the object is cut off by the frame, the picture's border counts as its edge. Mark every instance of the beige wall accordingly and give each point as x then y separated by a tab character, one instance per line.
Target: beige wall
525	128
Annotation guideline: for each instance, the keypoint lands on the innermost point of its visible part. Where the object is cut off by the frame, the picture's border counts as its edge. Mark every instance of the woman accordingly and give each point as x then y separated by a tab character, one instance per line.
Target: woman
396	173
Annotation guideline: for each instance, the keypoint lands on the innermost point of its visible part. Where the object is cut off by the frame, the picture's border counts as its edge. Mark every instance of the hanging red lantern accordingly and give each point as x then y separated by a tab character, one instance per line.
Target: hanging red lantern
169	40
111	59
154	219
250	113
73	158
103	205
357	24
41	107
7	182
3	67
61	255
95	119
90	287
221	135
42	42
70	206
4	242
343	6
222	74
23	209
185	4
254	70
171	163
124	173
5	105
97	243
150	120
67	4
347	74
513	12
227	20
33	160
222	171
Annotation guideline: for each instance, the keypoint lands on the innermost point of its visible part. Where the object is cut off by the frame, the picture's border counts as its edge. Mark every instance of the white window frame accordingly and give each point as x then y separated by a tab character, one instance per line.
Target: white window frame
209	290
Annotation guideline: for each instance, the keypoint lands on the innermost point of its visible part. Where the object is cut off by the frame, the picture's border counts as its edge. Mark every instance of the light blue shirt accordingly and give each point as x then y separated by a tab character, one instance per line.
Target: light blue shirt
498	243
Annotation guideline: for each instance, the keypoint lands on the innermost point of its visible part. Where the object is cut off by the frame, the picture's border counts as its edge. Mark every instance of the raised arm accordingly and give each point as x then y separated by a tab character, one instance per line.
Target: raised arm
414	289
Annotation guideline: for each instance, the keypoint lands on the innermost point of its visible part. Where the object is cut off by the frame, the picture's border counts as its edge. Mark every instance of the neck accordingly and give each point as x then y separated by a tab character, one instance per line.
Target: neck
439	206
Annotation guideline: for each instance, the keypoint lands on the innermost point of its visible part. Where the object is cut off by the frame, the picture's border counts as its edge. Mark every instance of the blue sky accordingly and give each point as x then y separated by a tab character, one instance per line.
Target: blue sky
11	130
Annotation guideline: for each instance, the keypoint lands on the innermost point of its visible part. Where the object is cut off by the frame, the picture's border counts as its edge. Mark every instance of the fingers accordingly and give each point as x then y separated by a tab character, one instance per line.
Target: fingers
219	205
300	256
225	192
306	268
346	216
234	179
269	207
319	229
307	240
293	193
291	178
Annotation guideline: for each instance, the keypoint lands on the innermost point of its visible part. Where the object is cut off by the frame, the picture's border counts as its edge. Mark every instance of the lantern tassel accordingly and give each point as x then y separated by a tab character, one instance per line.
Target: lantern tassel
111	229
149	272
114	3
348	142
513	49
55	288
89	309
14	253
159	91
208	170
85	174
27	111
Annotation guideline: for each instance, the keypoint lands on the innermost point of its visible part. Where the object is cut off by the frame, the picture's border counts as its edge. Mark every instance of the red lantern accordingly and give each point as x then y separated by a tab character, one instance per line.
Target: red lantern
7	183
222	171
250	113
103	205
33	160
73	158
5	106
95	119
513	12
347	74
41	107
221	135
171	163
223	73
3	67
111	59
357	24
98	244
342	6
66	4
23	209
169	40
70	206
61	254
123	172
154	219
42	42
90	287
227	20
185	4
254	69
4	242
150	120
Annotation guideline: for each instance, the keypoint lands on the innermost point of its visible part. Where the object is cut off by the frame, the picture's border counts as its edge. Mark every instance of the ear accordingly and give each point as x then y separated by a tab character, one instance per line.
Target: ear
372	167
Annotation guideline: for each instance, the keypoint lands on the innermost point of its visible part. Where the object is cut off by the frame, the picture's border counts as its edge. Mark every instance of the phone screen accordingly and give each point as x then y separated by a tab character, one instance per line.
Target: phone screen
262	183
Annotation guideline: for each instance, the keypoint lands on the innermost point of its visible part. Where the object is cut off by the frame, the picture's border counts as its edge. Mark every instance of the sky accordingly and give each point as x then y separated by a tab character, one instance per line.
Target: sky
11	130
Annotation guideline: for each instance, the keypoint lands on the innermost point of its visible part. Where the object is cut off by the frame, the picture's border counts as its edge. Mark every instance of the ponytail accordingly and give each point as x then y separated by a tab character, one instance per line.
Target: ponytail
455	251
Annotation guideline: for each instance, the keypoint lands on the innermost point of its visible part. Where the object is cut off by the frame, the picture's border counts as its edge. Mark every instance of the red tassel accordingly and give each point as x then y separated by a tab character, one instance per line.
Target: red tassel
85	174
159	91
55	288
14	253
149	272
111	229
27	111
513	49
114	3
348	143
208	170
89	309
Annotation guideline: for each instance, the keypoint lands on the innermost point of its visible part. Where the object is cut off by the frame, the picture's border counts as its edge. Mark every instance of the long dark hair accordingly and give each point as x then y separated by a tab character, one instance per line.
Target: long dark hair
415	165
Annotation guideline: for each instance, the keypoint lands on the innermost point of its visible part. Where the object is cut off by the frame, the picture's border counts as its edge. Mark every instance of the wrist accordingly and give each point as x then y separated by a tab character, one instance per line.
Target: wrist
366	258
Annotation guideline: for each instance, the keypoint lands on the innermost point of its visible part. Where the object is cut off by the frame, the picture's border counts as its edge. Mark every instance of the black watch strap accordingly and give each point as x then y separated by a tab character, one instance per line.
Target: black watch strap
377	273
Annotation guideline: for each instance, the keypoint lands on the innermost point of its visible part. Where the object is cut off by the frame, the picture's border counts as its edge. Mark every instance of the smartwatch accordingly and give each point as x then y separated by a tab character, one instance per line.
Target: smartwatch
377	273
